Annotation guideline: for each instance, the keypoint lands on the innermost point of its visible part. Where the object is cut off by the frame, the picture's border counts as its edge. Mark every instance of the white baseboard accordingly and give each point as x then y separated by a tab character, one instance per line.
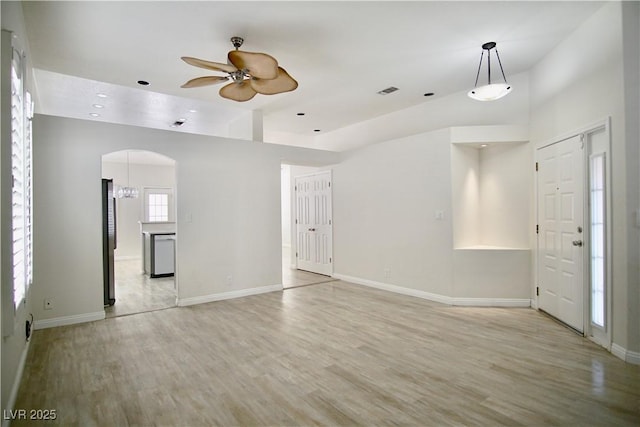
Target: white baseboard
16	383
127	258
443	299
626	355
396	289
492	302
69	320
183	302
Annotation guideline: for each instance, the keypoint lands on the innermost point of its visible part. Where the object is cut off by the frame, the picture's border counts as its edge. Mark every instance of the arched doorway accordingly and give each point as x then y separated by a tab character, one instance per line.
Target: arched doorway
140	239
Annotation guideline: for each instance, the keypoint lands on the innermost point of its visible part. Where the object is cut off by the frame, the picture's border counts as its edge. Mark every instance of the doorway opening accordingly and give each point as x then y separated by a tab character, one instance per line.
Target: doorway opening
143	251
298	272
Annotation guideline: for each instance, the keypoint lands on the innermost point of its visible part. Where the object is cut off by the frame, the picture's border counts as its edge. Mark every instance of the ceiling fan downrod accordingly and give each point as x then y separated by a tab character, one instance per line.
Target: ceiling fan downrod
237	41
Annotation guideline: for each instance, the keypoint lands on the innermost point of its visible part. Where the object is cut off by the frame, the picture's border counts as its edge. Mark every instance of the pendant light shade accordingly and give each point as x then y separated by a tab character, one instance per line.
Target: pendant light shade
490	91
127	192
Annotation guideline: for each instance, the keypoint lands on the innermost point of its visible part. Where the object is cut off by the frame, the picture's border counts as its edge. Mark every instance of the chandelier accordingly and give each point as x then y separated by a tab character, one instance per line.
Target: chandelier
127	192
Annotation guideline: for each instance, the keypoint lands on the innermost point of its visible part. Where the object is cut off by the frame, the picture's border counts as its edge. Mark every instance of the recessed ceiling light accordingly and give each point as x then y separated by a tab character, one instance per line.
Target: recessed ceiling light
193	111
94	114
483	145
299	114
98	106
429	94
101	95
143	82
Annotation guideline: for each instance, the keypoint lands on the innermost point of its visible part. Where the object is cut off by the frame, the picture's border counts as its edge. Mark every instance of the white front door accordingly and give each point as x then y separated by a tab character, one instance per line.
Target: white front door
560	233
314	223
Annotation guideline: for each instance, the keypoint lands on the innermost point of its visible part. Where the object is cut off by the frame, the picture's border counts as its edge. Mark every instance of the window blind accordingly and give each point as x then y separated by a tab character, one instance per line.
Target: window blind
21	191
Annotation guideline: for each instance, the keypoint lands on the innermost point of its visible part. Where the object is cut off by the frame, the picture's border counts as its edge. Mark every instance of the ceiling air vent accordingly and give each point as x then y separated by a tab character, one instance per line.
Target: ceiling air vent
388	90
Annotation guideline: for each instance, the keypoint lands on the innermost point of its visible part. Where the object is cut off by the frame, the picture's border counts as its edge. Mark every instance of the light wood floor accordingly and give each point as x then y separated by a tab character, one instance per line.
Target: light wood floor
328	354
137	293
292	277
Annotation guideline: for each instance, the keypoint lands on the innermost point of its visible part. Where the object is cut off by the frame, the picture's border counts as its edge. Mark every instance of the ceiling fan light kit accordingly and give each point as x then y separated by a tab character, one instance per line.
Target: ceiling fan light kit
250	73
490	91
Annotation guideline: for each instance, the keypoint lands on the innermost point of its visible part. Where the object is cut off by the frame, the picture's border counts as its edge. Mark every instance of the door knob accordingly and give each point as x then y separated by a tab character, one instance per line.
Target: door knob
312	229
577	243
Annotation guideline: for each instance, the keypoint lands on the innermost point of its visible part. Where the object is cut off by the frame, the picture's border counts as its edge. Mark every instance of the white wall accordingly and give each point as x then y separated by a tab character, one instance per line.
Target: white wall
285	191
228	211
505	195
581	82
130	211
631	52
465	190
385	198
387	230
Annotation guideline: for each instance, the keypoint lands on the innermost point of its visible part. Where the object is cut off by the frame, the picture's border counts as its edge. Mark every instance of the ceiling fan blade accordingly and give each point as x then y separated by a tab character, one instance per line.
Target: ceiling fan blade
204	81
258	65
238	91
283	83
209	65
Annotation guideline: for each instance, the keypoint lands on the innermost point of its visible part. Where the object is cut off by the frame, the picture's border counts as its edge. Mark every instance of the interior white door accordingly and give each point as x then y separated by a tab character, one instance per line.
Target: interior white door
560	236
314	223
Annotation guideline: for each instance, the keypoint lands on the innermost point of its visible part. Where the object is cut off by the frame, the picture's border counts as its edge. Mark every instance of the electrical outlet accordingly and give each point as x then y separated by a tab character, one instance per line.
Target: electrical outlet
229	280
439	215
48	304
387	273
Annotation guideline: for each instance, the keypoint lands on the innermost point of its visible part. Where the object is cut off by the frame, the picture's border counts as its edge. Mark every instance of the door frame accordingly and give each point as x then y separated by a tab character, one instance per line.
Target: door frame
294	216
604	124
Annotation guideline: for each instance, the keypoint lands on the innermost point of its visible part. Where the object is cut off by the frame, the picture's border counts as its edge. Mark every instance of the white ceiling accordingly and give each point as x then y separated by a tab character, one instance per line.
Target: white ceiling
341	53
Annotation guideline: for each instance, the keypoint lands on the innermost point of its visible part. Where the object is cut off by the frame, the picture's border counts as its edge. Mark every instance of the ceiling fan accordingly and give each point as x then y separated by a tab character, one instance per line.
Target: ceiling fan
250	73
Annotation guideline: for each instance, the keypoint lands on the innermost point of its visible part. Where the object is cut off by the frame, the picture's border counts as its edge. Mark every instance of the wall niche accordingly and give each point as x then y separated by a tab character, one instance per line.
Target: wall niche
492	181
492	184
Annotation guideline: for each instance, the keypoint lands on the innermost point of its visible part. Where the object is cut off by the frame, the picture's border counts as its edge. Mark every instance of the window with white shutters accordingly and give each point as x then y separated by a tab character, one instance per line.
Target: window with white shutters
21	114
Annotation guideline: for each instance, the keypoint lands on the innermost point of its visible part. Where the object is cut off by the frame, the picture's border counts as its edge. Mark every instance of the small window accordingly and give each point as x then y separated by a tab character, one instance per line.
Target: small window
158	204
158	207
598	245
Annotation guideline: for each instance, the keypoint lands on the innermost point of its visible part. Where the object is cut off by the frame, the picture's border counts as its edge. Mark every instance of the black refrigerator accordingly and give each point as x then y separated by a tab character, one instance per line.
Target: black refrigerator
108	240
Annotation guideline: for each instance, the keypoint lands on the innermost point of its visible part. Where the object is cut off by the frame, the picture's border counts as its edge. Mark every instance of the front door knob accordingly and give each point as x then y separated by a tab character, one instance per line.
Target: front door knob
577	243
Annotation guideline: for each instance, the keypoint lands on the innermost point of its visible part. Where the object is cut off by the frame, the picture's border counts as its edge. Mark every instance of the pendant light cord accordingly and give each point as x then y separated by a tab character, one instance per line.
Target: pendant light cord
479	66
500	62
127	169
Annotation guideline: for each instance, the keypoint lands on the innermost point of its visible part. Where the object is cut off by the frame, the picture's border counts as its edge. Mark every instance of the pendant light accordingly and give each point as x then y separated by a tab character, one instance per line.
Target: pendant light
127	192
490	91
